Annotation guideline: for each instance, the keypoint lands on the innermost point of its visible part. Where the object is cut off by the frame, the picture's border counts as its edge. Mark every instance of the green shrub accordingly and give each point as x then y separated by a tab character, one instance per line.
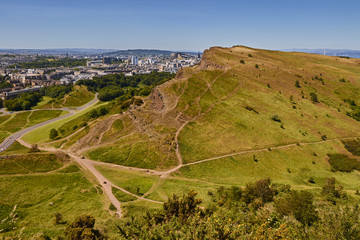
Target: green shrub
342	163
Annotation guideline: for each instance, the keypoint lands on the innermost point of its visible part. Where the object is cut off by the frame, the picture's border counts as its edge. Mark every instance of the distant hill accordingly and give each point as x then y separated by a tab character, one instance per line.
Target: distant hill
59	51
143	52
329	52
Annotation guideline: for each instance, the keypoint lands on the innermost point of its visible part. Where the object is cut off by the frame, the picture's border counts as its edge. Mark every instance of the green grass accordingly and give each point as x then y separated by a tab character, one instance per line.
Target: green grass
44	115
15	148
30	163
15	123
139	208
44	102
121	196
41	134
135	182
39	197
78	97
288	166
342	163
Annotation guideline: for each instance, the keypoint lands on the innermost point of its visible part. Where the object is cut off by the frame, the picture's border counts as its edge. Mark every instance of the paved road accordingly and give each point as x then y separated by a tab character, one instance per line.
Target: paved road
12	138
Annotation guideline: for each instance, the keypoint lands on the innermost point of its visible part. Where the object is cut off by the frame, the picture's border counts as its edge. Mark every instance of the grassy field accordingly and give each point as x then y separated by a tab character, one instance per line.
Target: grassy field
17	121
15	148
39	197
29	163
134	182
42	134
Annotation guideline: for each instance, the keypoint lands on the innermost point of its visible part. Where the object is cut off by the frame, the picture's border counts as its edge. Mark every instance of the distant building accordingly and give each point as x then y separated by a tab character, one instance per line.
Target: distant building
134	60
106	60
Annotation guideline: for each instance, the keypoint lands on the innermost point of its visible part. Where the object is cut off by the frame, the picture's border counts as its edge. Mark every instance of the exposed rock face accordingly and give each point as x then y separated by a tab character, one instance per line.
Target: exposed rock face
157	100
207	64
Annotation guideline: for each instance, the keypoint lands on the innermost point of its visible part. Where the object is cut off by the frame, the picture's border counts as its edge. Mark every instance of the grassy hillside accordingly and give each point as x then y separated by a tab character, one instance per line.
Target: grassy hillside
76	98
241	115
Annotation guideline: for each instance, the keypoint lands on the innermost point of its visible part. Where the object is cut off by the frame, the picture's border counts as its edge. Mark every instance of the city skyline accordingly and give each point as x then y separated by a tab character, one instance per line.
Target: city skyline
184	26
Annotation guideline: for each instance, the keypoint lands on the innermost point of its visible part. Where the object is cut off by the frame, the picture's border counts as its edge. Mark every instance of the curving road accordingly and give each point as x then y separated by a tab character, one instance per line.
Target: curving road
12	138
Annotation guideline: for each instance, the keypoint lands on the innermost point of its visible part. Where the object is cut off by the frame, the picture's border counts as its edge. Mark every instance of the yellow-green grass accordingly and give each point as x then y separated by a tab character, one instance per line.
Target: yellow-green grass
3	135
121	196
44	115
294	166
78	97
44	102
15	148
139	208
29	163
73	139
133	181
39	197
15	123
41	134
141	153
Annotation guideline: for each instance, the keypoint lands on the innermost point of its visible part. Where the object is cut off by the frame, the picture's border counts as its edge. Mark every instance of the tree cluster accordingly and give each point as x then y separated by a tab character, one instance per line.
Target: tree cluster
113	86
52	63
56	91
23	102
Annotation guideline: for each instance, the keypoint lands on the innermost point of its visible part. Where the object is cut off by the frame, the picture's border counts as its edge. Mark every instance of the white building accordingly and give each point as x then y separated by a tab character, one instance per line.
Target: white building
134	60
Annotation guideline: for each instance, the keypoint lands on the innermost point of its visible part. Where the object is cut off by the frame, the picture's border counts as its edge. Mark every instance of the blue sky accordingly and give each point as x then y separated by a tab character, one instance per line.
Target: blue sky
179	25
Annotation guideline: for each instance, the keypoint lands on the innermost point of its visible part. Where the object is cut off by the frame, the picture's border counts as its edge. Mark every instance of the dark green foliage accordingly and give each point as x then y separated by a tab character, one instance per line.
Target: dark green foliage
182	208
332	193
297	84
4	84
109	93
45	63
311	180
53	134
34	148
256	66
1	103
95	113
342	163
276	118
352	146
83	228
56	91
314	97
23	102
260	190
9	216
323	137
342	80
117	85
58	219
242	61
251	109
300	205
